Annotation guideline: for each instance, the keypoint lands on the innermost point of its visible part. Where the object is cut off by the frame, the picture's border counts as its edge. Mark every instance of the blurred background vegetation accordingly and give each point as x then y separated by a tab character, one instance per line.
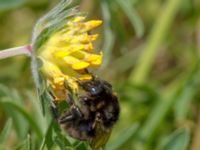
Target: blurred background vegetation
151	56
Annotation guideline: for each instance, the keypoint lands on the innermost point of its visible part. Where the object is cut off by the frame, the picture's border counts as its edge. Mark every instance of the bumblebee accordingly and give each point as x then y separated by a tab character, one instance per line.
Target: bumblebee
98	110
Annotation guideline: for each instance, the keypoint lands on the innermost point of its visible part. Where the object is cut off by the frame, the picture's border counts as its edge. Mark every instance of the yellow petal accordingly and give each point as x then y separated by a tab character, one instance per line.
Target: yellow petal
81	65
76	63
85	77
75	20
92	24
59	80
96	63
68	50
95	59
50	69
82	38
73	84
89	47
79	19
85	38
80	55
71	60
94	37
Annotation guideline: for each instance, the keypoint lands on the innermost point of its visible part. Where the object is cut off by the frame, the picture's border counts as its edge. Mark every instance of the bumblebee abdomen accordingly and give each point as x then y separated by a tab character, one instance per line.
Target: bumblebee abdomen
110	117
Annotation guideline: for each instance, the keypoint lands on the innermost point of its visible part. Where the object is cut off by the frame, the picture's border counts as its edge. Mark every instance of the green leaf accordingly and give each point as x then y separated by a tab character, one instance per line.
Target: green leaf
155	39
133	16
61	145
10	4
123	138
47	139
61	139
179	140
21	125
3	90
168	98
109	37
26	144
183	103
6	102
38	116
82	146
187	94
5	132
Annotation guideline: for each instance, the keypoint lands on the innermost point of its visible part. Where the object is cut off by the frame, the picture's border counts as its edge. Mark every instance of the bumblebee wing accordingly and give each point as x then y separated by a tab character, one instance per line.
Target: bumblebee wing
101	138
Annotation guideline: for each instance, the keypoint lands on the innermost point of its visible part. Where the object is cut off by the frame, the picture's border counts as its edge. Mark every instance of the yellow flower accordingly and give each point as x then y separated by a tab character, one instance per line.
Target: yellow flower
68	53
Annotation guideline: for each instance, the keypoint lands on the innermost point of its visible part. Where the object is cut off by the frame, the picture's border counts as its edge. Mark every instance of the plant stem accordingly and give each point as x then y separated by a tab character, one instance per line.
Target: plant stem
22	50
145	62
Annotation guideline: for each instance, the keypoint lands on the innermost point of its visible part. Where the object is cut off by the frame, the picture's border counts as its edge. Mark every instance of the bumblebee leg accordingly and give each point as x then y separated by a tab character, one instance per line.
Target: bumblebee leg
66	85
69	89
74	108
66	118
70	100
53	107
54	112
73	113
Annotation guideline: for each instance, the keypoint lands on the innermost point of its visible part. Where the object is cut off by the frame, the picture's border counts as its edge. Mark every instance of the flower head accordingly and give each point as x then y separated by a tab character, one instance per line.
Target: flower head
68	53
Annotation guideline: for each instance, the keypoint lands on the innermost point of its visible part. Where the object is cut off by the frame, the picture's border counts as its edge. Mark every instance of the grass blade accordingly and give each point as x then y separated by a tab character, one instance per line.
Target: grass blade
133	16
156	37
123	138
47	139
5	133
26	145
9	103
165	104
109	37
183	103
179	140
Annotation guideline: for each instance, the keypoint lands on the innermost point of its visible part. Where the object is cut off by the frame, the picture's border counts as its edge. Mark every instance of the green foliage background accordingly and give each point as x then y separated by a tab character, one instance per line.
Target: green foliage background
151	56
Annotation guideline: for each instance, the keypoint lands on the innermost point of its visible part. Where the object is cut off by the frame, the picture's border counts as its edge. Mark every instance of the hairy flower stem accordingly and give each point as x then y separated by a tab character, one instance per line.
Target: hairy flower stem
22	50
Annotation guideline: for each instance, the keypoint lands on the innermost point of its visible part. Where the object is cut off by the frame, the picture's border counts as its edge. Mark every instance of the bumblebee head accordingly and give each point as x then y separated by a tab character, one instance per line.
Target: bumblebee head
92	87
